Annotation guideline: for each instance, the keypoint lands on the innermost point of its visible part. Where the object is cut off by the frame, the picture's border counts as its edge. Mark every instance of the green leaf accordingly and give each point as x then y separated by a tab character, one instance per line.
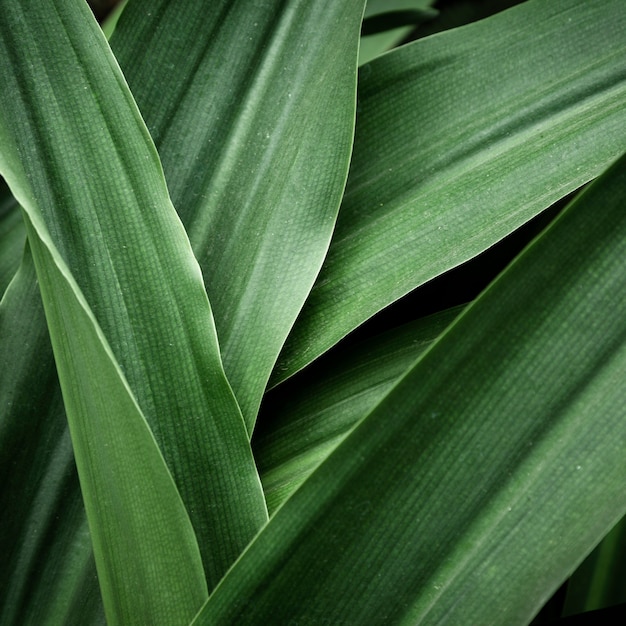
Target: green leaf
12	236
48	573
305	419
67	113
149	565
461	138
378	7
255	142
481	480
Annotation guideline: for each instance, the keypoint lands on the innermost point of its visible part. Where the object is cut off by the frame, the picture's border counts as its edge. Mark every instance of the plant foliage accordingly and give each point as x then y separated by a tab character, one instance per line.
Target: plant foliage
222	400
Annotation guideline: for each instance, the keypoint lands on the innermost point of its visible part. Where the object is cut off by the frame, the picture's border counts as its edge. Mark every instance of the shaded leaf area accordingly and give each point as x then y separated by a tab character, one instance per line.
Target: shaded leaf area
599	582
48	573
490	469
610	615
305	419
394	19
12	236
255	141
460	139
375	8
69	114
323	391
455	13
387	23
102	8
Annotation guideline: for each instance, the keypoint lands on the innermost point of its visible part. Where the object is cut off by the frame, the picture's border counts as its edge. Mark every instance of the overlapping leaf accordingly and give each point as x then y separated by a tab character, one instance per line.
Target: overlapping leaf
599	581
48	574
483	478
461	138
66	114
149	565
251	106
308	416
386	23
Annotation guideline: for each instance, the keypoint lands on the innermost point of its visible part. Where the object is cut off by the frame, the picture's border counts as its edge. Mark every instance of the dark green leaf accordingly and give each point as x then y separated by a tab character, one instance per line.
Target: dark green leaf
255	141
148	560
12	236
461	138
305	419
481	480
600	580
66	113
48	573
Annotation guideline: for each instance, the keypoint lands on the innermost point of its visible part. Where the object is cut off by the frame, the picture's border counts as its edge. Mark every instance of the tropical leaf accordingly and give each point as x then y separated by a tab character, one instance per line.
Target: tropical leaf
255	142
124	245
599	581
387	23
489	470
149	565
461	138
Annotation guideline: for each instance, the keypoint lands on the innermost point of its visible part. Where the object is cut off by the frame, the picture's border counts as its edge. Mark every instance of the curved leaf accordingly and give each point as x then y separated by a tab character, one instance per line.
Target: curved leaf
461	138
487	473
599	581
255	141
67	114
386	23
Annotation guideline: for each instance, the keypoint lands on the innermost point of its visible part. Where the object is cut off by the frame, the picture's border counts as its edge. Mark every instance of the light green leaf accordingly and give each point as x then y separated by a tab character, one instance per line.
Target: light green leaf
110	23
304	419
255	142
67	113
461	138
480	481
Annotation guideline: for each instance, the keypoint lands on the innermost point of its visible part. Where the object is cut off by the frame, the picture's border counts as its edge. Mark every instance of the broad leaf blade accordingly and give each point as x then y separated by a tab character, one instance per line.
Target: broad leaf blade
461	138
67	113
255	141
482	479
